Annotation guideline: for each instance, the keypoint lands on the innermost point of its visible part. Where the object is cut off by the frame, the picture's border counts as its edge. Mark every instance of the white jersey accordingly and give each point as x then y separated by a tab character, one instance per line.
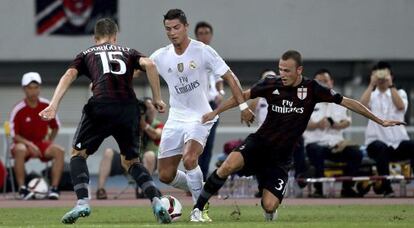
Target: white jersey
327	137
212	90
382	106
261	110
187	78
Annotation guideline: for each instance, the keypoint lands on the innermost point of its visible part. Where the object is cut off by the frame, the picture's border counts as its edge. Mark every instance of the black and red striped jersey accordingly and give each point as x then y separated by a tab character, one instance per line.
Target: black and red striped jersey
289	109
110	68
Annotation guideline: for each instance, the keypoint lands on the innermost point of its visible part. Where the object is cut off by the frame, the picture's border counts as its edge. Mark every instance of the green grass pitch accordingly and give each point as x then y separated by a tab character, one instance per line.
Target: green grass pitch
250	216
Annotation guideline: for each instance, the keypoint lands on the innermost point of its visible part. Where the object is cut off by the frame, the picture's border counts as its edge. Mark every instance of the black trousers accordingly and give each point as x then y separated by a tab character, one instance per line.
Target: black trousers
205	157
384	154
351	156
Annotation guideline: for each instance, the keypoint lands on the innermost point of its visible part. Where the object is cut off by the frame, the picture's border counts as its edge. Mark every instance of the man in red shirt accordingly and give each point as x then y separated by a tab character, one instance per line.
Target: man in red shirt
31	138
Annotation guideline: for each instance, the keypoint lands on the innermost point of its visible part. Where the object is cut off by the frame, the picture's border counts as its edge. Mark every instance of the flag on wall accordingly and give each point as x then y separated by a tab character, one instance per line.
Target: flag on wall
72	17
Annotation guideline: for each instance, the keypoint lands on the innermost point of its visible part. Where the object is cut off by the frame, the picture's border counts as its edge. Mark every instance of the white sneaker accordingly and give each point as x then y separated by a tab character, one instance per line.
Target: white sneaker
270	216
196	216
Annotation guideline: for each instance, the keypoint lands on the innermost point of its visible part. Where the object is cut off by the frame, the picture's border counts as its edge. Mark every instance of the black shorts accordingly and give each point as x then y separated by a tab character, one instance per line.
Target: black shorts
271	175
101	119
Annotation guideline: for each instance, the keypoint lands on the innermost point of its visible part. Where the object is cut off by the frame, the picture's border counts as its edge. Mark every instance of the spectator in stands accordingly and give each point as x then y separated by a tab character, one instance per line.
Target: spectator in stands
111	161
31	138
204	33
324	139
386	144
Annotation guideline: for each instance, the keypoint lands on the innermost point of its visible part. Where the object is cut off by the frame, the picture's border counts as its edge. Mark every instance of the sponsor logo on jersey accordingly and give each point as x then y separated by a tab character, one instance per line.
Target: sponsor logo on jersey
302	93
276	92
192	65
180	67
187	88
169	70
287	107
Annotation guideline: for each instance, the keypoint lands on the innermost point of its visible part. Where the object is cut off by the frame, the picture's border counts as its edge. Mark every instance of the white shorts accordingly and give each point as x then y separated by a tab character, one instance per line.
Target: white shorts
176	133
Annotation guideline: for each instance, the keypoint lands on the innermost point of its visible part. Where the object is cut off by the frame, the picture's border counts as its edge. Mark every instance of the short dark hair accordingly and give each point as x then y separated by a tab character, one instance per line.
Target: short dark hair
176	14
322	71
293	54
105	27
203	24
382	65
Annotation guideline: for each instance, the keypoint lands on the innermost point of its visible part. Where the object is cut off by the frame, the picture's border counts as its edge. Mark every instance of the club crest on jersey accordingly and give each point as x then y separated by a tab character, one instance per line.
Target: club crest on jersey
193	65
180	67
302	93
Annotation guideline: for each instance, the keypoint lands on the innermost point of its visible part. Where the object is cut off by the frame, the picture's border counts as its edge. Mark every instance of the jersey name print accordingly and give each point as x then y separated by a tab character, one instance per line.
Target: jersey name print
110	67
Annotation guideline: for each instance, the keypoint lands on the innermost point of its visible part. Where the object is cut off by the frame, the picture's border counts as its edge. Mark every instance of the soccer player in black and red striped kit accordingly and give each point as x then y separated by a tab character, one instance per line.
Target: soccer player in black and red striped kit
267	153
113	110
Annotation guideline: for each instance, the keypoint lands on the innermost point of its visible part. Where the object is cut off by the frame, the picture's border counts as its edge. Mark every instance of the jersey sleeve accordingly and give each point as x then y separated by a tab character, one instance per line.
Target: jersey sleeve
54	123
324	94
404	98
15	126
79	64
258	89
214	62
136	55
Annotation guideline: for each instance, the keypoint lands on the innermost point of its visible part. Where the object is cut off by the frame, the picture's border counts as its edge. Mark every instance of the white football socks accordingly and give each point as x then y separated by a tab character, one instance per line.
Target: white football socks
180	181
195	182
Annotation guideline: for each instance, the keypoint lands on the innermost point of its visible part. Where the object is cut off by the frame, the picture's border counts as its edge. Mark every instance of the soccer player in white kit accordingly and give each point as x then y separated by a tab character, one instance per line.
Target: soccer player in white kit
184	65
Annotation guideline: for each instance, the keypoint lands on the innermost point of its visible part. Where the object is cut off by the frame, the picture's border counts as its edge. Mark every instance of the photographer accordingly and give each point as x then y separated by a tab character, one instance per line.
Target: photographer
386	144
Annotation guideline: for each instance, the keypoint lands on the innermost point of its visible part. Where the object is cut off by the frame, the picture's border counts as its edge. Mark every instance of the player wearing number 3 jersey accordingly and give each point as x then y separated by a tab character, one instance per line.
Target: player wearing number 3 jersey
113	110
267	153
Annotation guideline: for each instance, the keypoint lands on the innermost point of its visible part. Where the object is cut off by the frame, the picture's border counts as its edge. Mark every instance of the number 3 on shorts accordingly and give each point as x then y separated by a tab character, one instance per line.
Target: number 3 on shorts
280	187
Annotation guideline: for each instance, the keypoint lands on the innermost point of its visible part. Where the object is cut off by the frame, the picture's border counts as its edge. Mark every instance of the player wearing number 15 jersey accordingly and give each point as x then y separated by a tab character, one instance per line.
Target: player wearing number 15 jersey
113	110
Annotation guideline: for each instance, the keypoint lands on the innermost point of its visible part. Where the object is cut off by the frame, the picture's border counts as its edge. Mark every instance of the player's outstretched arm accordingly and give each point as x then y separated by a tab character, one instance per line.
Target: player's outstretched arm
357	107
66	80
247	115
154	80
226	105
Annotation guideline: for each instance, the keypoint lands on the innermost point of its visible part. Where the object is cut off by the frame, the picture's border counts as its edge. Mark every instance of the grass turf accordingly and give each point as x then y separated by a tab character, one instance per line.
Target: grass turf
250	216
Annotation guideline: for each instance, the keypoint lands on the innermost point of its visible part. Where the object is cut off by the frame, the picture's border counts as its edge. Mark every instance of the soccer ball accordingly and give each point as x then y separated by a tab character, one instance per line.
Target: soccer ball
173	206
38	188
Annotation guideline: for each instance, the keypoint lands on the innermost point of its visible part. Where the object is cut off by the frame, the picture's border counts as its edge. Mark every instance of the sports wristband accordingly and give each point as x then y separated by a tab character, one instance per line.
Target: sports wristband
243	106
147	127
222	92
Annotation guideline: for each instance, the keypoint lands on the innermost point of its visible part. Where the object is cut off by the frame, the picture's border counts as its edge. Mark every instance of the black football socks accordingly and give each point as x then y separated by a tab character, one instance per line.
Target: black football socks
144	180
80	176
212	185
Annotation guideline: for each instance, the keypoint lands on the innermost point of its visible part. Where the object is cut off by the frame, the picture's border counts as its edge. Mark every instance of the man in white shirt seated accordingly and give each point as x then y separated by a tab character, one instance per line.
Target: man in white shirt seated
386	144
324	140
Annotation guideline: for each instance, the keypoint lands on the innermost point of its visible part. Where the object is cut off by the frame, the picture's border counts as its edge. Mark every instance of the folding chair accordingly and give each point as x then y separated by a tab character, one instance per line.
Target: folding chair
8	159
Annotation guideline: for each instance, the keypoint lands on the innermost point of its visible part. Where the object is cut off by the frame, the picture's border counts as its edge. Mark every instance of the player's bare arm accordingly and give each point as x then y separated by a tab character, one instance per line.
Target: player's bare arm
154	81
226	105
66	80
357	107
247	115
